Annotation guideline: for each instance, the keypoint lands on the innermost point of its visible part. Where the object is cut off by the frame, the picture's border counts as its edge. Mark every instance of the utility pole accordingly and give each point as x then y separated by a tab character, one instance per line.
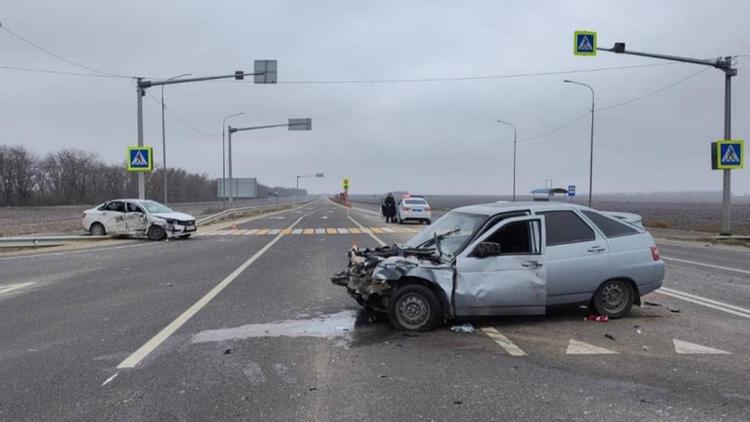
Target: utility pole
140	93
164	139
224	159
725	65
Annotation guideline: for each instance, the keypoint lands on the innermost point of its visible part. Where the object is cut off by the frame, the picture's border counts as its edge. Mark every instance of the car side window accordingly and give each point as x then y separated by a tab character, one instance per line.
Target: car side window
133	208
514	238
116	206
566	227
609	226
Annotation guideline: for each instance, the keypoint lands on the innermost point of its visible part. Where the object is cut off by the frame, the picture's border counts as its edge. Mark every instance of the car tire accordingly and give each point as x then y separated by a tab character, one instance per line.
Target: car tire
613	298
428	222
97	229
156	233
414	308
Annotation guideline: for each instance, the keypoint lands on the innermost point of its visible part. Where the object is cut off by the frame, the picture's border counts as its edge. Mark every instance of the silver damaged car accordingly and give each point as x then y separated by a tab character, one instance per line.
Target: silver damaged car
507	258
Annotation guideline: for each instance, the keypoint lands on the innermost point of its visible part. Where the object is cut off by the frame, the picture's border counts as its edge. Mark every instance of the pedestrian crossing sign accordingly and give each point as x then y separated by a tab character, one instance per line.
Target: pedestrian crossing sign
140	159
727	154
584	43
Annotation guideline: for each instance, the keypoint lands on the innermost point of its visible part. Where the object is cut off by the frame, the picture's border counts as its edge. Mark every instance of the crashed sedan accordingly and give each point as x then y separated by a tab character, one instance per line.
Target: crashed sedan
139	218
507	259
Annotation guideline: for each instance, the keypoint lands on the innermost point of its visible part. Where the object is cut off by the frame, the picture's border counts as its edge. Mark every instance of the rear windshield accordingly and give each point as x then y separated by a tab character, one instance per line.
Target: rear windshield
415	202
609	226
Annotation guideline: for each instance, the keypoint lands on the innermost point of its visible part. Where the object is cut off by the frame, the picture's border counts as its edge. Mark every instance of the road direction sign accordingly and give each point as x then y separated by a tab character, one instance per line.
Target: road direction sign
728	154
571	190
140	159
584	43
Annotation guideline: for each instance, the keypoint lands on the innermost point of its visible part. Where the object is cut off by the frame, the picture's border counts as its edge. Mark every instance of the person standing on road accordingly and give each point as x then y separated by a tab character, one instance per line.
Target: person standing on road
390	209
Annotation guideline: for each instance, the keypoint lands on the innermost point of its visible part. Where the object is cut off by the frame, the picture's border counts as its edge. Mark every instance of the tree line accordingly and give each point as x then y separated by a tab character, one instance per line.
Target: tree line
71	176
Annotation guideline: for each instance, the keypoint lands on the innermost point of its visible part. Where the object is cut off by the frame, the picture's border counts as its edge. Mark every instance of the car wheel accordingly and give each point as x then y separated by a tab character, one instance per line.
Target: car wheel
414	308
613	298
97	229
156	233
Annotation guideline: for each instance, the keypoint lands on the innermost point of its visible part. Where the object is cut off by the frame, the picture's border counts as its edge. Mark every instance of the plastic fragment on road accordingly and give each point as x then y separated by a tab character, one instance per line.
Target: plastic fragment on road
674	310
463	328
597	318
610	336
647	303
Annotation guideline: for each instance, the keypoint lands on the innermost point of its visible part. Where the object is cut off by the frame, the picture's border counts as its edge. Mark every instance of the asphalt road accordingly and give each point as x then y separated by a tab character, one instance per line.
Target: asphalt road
243	324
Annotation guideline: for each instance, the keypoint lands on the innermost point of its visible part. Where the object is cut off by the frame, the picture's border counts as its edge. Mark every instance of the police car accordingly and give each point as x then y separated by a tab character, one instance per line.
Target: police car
413	208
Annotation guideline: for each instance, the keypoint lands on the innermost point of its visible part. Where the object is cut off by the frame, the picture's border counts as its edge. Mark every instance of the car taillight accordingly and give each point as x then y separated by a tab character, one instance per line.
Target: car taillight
406	209
655	253
426	208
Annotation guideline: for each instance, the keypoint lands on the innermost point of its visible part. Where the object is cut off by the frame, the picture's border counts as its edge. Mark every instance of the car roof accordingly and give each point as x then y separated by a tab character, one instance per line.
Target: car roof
493	208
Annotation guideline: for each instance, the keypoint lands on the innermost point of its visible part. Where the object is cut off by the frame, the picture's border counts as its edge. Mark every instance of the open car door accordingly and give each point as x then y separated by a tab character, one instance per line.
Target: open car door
503	271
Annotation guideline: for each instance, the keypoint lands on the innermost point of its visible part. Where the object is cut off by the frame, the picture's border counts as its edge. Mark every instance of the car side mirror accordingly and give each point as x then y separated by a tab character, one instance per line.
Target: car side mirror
486	249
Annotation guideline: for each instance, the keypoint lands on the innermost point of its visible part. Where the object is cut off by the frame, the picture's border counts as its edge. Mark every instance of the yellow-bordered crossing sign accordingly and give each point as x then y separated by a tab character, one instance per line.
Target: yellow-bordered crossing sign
584	43
140	159
728	154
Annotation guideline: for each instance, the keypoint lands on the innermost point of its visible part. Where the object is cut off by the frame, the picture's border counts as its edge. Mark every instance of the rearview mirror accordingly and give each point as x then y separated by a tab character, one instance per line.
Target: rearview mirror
485	249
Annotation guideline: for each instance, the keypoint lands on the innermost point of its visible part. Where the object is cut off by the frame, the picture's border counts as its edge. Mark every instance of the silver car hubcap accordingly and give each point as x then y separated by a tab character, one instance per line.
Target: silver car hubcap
413	311
614	297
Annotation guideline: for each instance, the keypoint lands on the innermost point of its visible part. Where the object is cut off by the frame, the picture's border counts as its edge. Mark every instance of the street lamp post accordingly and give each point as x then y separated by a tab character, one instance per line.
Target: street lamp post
292	124
224	159
514	154
164	137
591	149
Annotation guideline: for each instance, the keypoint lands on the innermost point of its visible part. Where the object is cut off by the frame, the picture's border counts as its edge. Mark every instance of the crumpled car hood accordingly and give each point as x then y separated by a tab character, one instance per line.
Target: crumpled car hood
174	216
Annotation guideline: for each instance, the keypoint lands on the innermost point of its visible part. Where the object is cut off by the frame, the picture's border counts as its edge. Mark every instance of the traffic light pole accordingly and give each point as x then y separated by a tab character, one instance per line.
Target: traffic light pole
141	177
725	65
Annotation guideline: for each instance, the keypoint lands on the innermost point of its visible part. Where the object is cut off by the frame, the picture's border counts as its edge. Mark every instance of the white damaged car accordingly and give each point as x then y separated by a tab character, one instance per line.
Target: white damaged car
140	218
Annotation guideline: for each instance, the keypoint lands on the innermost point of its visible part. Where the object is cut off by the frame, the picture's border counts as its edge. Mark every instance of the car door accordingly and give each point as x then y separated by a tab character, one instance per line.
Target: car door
135	218
113	218
508	281
577	256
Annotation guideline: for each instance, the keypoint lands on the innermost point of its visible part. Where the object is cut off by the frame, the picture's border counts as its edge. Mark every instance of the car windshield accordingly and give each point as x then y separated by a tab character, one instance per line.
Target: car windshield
453	229
415	202
154	207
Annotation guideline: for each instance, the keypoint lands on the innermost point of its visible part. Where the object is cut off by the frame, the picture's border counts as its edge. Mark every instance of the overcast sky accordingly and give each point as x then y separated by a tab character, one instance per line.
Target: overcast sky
432	137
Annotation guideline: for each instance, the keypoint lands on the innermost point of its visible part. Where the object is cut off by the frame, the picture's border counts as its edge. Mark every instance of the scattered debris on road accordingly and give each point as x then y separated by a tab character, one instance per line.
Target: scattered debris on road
647	303
610	336
465	328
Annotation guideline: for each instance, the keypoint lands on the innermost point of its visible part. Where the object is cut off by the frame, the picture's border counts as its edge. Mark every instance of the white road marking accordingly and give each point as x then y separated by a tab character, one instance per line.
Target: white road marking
320	231
686	348
325	217
11	287
274	231
702	264
366	230
708	303
342	231
137	356
297	231
110	379
576	347
503	342
388	230
279	217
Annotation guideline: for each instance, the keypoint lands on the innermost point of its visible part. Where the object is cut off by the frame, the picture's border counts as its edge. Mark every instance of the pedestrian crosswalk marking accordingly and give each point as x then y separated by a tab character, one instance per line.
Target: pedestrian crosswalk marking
342	231
262	231
331	231
320	231
274	231
309	231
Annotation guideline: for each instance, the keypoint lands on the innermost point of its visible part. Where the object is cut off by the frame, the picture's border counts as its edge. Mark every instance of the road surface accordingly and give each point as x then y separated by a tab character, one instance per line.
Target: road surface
243	324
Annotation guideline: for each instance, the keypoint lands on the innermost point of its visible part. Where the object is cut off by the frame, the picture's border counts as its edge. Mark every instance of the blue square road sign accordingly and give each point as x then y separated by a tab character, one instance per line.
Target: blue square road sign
140	159
584	43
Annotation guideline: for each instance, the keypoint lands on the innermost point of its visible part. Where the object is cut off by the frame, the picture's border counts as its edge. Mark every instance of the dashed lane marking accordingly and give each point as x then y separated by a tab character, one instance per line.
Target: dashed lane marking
503	342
